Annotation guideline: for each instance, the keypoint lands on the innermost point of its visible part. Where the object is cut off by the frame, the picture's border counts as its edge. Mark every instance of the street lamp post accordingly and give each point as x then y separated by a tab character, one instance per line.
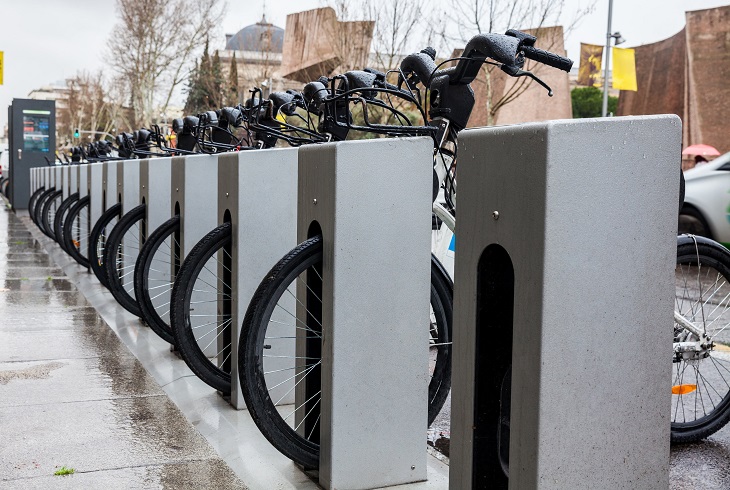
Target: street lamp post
618	39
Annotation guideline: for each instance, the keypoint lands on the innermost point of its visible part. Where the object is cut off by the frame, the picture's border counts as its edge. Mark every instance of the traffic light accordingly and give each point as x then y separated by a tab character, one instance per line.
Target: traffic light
76	133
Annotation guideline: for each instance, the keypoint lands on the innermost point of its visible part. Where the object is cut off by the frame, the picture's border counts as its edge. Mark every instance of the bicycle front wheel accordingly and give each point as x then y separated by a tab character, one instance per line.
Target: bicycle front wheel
60	217
98	239
701	358
76	231
35	215
200	314
48	213
271	370
154	277
31	202
120	256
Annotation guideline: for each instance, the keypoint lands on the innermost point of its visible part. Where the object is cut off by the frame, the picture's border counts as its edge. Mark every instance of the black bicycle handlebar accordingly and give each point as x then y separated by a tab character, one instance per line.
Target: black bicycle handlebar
419	64
284	102
503	48
314	94
547	58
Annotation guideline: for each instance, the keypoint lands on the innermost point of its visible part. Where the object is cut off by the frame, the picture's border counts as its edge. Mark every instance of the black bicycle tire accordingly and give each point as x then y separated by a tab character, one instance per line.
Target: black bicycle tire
38	207
442	291
95	264
718	257
252	381
68	224
46	225
180	308
59	219
115	239
141	279
32	199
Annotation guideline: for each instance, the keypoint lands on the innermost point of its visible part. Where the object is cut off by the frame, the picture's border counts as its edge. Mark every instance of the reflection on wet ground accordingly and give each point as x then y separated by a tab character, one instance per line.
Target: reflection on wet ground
71	394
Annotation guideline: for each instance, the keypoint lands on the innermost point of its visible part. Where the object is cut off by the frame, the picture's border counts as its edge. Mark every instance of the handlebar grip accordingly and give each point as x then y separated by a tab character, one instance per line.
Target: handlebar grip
547	58
231	115
420	64
314	94
282	101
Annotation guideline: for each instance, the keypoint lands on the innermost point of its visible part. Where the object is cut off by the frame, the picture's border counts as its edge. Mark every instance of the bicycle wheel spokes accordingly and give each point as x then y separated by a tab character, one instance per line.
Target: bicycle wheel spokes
280	353
292	353
701	366
154	277
101	242
126	257
76	230
209	306
161	277
80	231
98	239
200	314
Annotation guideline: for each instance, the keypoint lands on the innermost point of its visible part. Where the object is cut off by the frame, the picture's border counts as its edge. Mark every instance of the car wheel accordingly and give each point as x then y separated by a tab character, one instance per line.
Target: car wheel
692	222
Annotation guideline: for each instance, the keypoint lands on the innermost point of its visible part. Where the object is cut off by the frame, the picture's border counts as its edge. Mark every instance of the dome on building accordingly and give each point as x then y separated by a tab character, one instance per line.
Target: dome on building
260	36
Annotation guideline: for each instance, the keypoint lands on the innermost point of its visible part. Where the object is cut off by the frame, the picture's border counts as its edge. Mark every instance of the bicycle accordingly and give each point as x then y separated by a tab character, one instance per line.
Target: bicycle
701	358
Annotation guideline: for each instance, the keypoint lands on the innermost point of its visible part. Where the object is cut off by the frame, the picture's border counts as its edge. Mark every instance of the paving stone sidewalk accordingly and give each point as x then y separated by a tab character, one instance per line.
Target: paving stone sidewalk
72	395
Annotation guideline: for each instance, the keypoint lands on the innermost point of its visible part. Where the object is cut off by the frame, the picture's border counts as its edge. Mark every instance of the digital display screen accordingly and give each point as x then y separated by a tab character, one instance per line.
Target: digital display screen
36	131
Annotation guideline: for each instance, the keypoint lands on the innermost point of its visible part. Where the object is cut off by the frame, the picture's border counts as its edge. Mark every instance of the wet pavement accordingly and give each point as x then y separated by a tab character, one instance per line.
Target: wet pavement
80	336
71	393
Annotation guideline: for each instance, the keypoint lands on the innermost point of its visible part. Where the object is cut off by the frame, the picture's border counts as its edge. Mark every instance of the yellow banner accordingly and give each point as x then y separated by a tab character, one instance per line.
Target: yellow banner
589	72
624	69
2	64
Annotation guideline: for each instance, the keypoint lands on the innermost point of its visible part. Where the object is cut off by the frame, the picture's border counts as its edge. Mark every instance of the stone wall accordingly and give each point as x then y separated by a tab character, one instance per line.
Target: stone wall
687	74
316	44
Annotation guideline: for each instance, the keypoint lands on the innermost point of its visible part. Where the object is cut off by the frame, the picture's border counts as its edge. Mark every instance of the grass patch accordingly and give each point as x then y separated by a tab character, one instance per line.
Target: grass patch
64	471
49	278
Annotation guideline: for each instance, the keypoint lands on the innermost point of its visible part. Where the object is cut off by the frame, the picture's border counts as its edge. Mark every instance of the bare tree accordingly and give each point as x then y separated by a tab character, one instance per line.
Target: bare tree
91	104
468	18
398	24
349	35
153	45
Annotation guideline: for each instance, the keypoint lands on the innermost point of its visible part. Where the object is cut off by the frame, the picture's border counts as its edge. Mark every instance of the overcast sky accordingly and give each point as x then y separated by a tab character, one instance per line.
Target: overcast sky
49	40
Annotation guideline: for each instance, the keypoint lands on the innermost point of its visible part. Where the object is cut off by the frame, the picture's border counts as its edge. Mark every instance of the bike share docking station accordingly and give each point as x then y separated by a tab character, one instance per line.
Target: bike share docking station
564	264
68	182
57	172
257	194
194	185
128	185
36	179
128	195
371	201
82	179
154	192
109	190
97	177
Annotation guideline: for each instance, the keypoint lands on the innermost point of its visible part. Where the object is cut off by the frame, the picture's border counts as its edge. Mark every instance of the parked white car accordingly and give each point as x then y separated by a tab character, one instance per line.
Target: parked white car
706	209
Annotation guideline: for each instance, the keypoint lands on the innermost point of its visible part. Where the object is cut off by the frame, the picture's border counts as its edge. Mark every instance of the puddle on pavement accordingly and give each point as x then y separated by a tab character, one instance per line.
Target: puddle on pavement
41	371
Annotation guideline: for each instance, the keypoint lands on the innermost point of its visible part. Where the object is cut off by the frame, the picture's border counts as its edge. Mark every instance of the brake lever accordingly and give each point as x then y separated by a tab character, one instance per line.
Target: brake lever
515	71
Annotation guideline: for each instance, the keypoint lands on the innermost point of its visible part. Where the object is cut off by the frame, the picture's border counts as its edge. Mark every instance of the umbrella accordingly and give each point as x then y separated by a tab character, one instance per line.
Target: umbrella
704	150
